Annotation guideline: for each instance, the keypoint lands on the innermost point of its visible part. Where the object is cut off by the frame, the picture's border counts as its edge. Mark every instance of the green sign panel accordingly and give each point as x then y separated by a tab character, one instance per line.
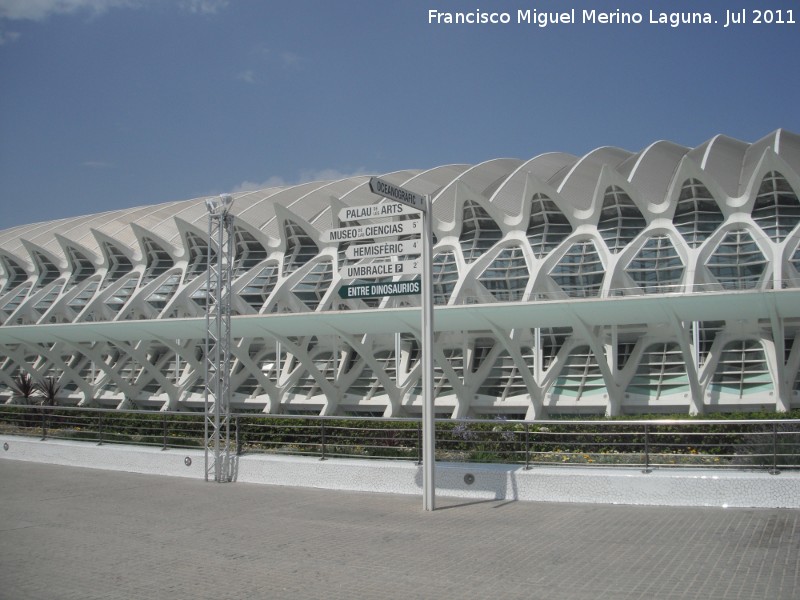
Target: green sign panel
378	290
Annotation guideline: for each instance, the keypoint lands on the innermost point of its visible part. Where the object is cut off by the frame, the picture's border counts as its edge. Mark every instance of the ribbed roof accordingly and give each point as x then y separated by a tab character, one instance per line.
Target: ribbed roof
726	162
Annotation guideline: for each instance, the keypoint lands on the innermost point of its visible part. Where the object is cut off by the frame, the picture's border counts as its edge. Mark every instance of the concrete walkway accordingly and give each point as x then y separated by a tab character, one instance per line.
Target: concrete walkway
68	532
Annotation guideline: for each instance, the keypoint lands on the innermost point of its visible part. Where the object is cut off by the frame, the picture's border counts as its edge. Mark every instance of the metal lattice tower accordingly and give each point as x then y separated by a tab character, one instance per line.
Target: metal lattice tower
217	357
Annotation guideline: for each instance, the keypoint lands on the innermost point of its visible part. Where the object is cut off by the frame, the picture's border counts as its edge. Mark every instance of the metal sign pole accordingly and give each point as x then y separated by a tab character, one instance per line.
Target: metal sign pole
424	205
428	424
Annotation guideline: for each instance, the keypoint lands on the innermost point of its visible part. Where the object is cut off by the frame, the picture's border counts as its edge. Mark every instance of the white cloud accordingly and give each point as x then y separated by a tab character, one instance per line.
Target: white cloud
267	60
262	51
96	164
247	76
38	10
290	59
249	186
7	37
305	176
204	7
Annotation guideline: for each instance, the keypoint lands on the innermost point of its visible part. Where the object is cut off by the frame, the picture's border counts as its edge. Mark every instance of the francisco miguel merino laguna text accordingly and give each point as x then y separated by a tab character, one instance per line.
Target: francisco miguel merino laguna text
570	17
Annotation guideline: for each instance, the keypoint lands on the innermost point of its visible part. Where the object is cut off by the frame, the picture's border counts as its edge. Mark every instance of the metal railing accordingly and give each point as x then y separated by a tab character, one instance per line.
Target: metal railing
771	445
583	293
104	426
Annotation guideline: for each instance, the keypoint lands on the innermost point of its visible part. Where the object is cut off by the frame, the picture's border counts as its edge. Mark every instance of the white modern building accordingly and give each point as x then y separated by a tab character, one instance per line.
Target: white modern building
666	280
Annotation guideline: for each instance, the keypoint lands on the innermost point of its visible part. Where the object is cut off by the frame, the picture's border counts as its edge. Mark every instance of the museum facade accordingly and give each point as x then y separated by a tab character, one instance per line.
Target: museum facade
666	280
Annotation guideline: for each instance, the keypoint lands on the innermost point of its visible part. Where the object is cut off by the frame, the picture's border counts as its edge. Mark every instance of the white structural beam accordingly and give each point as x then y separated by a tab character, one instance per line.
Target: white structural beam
755	304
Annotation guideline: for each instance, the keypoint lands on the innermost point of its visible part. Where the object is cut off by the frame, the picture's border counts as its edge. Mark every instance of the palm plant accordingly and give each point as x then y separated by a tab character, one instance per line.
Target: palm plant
24	387
48	388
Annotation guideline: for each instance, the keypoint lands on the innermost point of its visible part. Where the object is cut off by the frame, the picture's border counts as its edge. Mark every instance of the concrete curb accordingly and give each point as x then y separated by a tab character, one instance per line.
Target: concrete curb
667	487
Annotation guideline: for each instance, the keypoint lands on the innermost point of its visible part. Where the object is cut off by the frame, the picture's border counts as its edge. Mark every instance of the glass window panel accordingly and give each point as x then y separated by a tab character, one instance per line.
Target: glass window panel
504	379
580	375
620	219
697	215
15	274
197	262
163	293
48	272
444	276
580	271
661	370
256	292
83	297
479	232
12	305
657	267
742	369
158	260
777	209
118	264
547	226
737	263
248	252
311	289
117	300
507	276
300	248
82	268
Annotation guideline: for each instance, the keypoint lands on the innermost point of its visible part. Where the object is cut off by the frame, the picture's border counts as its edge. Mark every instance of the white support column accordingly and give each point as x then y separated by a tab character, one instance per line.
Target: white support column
783	387
615	393
177	363
613	359
688	337
397	357
697	404
784	390
777	275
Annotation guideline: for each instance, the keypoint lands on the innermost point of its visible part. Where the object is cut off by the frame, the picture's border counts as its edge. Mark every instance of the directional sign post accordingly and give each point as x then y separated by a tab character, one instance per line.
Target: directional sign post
422	204
375	211
373	230
382	249
379	290
382	269
428	425
394	192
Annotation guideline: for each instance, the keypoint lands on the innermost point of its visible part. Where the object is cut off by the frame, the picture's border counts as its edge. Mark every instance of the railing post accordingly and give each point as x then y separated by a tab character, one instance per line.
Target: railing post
164	431
44	424
238	437
646	449
323	440
774	470
100	430
419	443
527	446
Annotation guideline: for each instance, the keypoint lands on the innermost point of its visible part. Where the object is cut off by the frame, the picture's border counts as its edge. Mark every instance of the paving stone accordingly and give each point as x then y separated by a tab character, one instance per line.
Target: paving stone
68	532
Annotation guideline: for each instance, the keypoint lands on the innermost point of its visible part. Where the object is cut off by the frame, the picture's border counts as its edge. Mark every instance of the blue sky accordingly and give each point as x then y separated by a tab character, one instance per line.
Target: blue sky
106	104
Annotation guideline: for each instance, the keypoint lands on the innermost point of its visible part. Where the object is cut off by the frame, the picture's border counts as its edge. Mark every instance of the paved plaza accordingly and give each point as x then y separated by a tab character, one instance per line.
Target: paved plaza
73	533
